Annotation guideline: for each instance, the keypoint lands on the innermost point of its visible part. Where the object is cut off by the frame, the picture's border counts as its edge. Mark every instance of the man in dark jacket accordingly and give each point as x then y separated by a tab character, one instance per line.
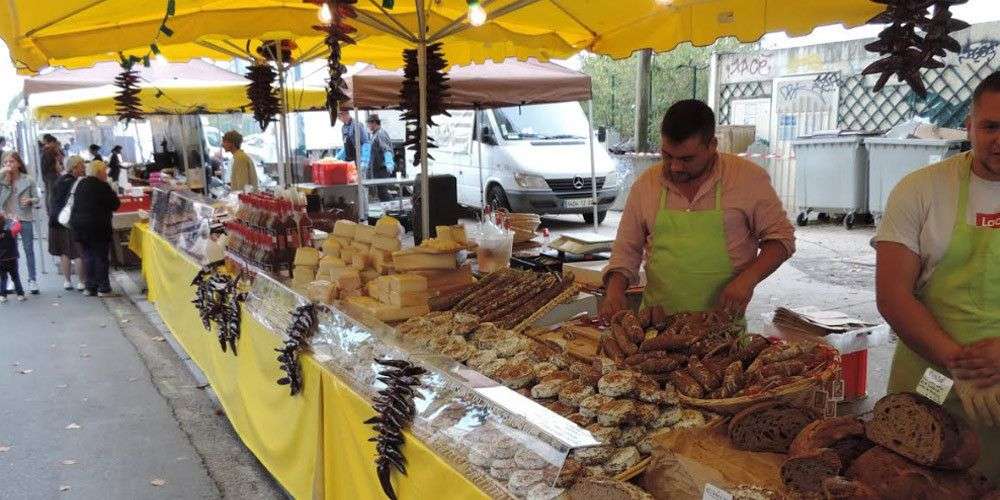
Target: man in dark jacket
381	163
94	203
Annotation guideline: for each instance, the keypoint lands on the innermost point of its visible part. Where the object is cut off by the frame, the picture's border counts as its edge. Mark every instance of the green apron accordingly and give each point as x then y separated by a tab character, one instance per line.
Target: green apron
963	295
689	262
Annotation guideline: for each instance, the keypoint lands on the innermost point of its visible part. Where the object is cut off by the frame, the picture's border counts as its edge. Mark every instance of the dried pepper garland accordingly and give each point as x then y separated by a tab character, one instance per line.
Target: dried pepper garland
127	102
262	94
337	32
218	300
409	95
299	333
395	409
906	50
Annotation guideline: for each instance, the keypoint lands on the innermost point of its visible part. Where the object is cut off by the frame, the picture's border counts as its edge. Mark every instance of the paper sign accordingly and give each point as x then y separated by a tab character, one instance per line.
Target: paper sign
935	386
713	492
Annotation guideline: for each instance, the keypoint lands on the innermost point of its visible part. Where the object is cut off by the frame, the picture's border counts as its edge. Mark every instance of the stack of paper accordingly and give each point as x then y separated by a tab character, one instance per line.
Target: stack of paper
583	243
813	321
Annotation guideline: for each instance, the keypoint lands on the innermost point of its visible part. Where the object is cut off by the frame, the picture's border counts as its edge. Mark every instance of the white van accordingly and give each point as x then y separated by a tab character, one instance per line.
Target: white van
534	159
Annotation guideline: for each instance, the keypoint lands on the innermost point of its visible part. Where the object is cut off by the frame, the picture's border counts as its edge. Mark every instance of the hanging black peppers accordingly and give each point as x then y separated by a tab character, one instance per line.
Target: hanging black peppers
299	332
913	40
219	301
128	105
409	95
262	94
336	32
395	409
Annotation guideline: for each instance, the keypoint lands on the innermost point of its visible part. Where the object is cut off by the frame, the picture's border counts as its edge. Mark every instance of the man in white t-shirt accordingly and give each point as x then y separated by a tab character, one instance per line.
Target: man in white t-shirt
938	273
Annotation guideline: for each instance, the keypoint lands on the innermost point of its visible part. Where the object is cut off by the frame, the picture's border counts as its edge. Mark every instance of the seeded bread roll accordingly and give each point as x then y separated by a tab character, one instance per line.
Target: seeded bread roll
544	369
616	412
768	426
546	390
617	383
581	419
591	404
630	435
622	460
595	455
893	477
604	435
805	473
560	408
574	392
920	430
571	469
648	390
516	375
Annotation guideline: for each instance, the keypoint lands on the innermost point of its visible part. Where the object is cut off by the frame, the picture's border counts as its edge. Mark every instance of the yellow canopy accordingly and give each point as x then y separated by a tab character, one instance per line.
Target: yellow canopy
78	33
175	98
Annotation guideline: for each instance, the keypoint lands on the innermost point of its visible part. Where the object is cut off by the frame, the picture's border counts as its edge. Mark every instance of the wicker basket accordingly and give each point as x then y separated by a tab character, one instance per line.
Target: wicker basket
799	392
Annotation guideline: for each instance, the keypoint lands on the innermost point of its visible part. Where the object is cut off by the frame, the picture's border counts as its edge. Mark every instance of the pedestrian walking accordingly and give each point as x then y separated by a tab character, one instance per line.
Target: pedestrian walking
9	229
18	198
94	203
61	242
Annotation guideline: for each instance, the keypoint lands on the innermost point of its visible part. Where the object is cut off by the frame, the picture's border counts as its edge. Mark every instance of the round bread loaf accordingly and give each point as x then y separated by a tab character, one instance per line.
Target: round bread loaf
922	431
893	477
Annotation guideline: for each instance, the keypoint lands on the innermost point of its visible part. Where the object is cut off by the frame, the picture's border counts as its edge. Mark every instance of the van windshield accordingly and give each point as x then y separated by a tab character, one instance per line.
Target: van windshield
542	121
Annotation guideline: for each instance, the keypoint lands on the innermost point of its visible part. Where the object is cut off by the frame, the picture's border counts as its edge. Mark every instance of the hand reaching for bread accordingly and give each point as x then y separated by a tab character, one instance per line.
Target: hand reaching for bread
982	405
978	362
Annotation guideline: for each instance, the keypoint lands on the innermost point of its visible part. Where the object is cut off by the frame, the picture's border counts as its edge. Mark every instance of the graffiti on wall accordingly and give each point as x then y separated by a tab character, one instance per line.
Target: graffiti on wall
822	88
979	50
749	66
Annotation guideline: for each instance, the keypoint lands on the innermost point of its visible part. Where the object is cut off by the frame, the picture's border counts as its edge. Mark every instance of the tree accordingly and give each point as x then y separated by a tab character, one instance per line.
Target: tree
673	79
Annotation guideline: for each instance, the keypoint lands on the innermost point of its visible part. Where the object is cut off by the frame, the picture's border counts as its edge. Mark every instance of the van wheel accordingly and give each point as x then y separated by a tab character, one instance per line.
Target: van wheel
497	198
589	217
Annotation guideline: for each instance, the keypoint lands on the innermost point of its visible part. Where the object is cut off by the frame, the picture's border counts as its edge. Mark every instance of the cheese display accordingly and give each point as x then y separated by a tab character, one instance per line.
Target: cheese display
361	261
307	256
331	246
388	226
322	291
386	312
407	283
344	228
445	281
388	243
364	233
304	274
409	260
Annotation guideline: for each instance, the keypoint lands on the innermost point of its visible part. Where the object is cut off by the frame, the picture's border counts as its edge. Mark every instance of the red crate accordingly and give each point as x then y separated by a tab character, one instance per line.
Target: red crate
327	172
854	368
134	203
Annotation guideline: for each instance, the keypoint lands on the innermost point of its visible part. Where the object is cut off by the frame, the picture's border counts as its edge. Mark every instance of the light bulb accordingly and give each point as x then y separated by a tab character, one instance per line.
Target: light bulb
160	60
72	119
477	14
325	16
65	125
664	2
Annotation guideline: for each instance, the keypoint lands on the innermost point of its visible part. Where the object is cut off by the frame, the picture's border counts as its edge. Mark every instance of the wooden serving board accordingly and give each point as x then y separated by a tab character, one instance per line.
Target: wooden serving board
579	340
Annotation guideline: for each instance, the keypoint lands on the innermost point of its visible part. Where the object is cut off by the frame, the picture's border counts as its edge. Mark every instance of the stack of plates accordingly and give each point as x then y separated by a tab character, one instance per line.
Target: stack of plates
524	226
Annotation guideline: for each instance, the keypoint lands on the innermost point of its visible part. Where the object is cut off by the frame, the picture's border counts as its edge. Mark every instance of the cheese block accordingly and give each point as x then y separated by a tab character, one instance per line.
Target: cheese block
407	283
344	228
410	261
329	261
378	255
407	299
385	312
331	246
443	233
360	246
346	294
343	241
438	280
347	254
307	256
361	261
304	274
322	291
458	235
388	226
389	243
369	274
438	245
346	278
378	288
364	234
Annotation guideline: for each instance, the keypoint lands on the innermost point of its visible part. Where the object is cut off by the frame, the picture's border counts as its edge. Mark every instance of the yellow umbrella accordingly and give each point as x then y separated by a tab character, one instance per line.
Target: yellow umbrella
175	98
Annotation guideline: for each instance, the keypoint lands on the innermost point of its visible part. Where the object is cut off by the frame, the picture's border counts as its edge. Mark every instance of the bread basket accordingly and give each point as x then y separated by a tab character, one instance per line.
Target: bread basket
800	392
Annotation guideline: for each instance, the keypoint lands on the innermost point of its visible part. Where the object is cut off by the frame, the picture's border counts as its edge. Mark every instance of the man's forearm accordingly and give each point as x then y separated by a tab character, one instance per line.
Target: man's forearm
916	326
772	255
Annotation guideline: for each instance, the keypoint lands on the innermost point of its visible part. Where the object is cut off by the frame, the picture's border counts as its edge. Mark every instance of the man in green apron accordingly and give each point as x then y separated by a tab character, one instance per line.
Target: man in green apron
708	225
938	274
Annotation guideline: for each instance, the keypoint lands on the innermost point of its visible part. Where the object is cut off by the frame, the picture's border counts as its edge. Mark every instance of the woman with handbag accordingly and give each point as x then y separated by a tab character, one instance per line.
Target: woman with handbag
18	197
91	208
61	243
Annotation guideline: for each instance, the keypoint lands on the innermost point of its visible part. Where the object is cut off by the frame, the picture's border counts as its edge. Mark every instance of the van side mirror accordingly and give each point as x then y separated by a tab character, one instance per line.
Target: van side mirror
486	136
602	134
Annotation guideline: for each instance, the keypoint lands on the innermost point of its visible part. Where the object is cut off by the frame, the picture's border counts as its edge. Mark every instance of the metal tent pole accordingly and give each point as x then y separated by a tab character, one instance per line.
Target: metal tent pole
422	78
362	189
479	146
593	170
283	122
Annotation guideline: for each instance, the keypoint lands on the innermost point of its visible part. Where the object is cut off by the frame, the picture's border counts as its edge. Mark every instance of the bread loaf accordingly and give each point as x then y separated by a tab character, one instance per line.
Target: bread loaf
768	426
844	435
606	489
920	430
841	488
805	473
892	477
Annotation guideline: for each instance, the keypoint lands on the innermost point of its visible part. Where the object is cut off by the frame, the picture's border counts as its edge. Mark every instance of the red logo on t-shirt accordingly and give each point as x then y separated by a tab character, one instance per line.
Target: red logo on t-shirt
988	220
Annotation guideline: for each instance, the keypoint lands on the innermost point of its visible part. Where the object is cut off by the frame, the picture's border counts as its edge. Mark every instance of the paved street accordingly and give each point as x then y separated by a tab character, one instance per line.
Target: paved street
96	405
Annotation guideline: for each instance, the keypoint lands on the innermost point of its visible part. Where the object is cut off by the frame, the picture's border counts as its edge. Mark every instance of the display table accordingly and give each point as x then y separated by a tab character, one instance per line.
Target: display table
313	443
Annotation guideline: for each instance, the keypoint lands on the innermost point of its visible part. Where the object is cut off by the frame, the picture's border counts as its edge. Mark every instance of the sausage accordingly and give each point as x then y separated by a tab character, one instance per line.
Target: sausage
633	329
636	359
702	374
783	369
686	385
666	342
732	379
621	336
658	318
657	365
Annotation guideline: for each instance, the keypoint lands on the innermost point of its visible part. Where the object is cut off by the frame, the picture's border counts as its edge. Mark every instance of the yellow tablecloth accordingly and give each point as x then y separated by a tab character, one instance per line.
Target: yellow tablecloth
314	443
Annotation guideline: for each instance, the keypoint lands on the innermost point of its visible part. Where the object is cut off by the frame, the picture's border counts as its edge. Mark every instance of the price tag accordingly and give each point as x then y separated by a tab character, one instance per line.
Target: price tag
713	492
935	386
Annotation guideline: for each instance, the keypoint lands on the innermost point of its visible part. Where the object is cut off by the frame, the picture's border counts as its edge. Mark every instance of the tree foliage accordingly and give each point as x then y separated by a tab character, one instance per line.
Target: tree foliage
672	79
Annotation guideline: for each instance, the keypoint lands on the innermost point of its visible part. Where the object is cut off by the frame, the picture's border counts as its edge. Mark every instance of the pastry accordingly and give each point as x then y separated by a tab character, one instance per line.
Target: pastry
768	426
893	477
545	368
605	435
524	357
526	459
616	412
522	480
516	375
481	358
622	460
920	430
630	436
616	384
648	390
591	404
574	392
546	390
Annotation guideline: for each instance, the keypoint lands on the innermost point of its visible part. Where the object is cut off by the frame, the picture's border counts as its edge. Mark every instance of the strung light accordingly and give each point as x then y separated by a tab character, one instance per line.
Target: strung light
325	16
160	61
477	14
72	119
664	2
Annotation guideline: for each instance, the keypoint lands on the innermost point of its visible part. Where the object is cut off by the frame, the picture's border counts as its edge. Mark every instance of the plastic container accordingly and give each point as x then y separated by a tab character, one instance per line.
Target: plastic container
134	203
494	251
892	159
831	177
328	172
854	369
